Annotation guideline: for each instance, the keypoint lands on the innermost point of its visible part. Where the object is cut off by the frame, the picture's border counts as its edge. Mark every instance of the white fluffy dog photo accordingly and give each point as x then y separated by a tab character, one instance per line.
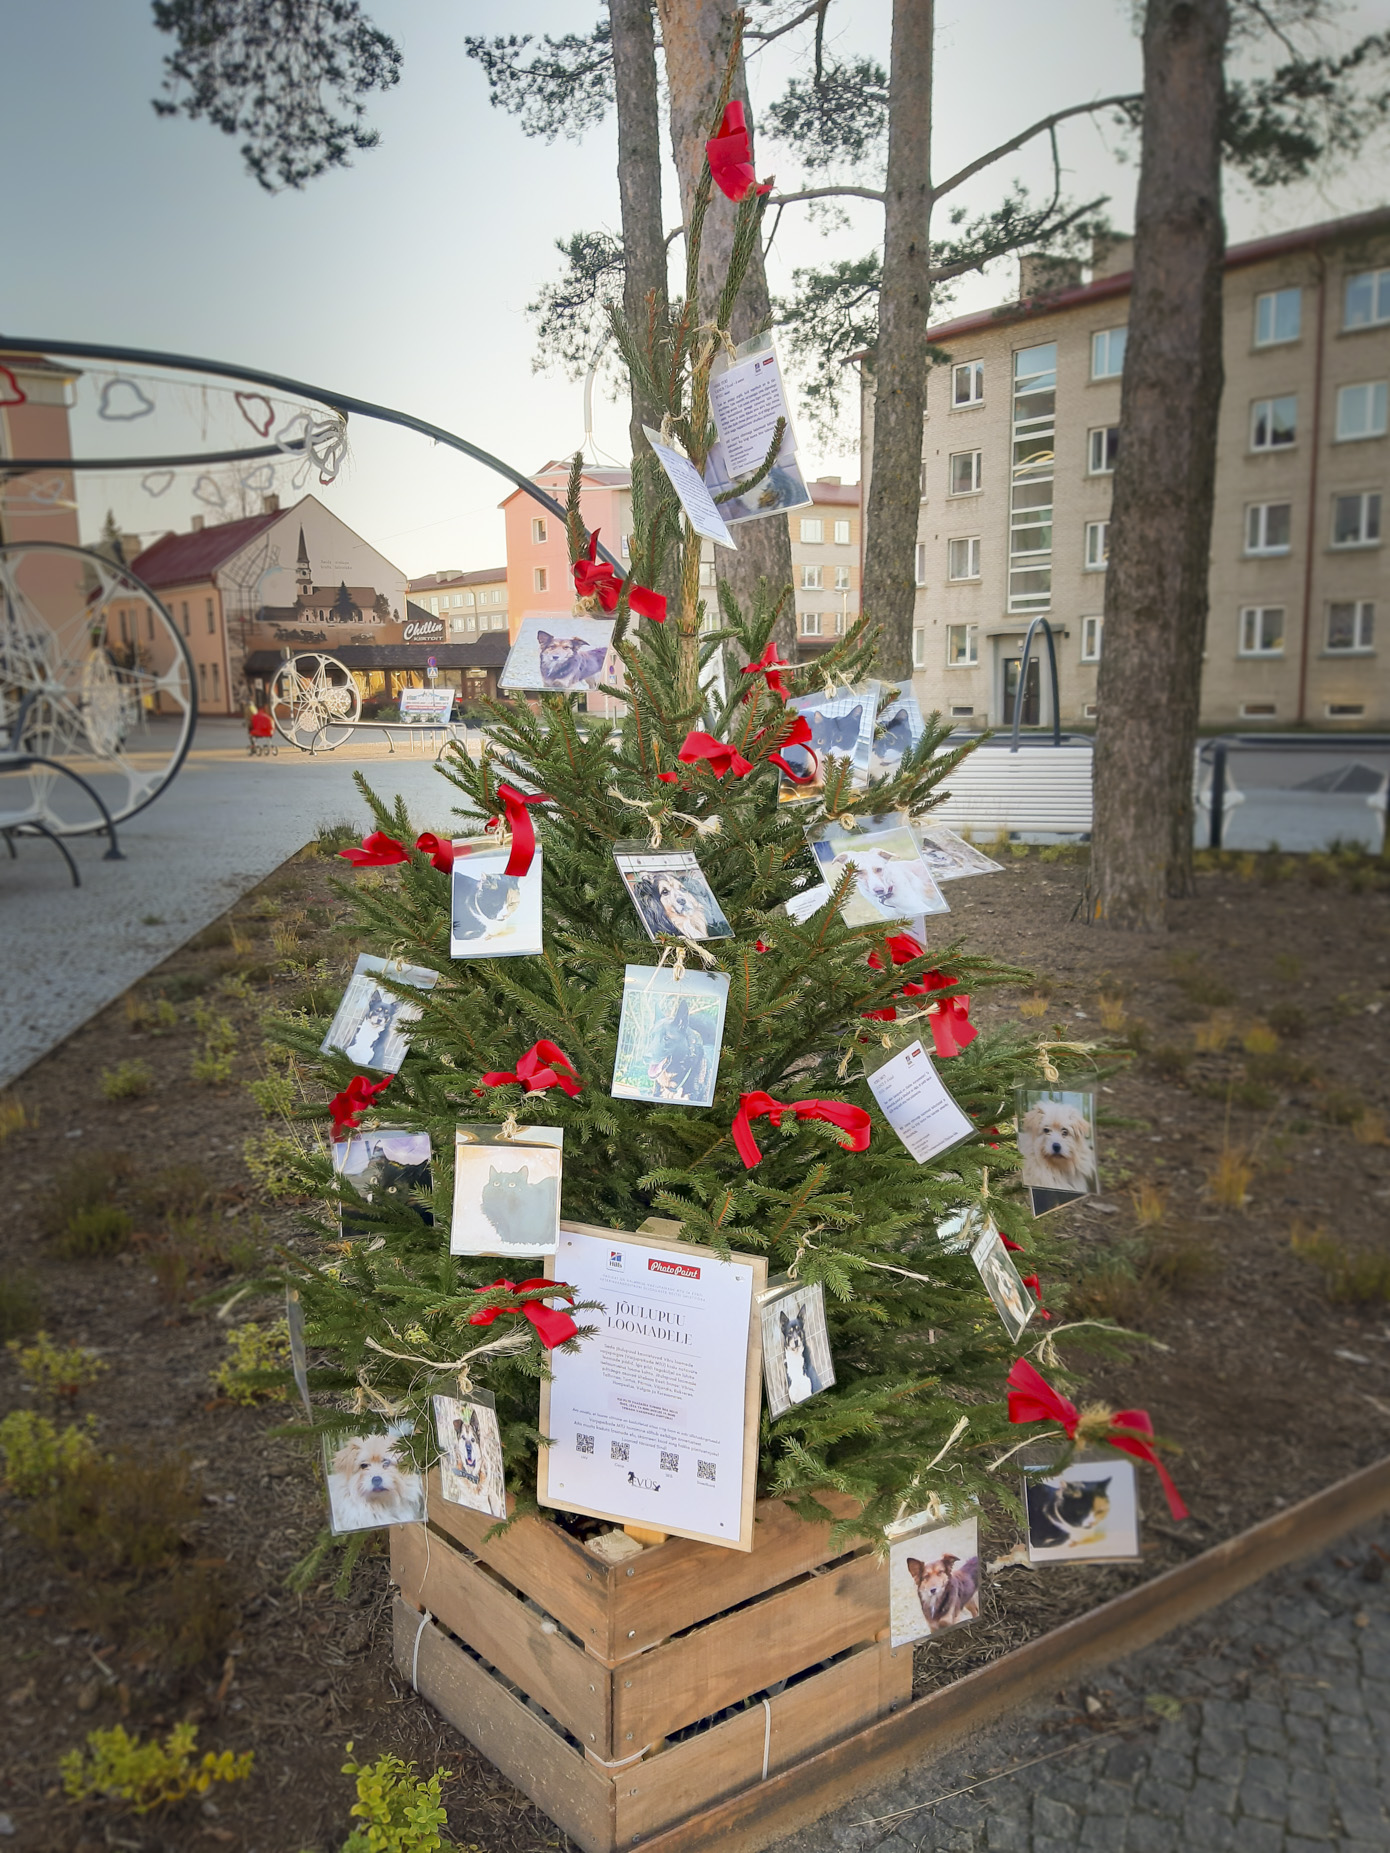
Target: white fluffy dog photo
1056	1141
371	1483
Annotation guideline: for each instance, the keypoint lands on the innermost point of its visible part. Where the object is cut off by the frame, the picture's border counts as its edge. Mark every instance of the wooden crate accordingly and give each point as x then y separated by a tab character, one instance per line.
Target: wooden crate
571	1673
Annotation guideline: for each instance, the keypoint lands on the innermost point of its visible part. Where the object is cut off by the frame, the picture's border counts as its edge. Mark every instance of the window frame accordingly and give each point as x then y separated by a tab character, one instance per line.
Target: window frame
818	523
1272	296
1364	498
539	531
921	564
973	558
971	658
1380	286
1283	398
841	579
1257	612
1091	565
1110	452
1263	550
976	369
1379	391
540	579
1107	336
842	540
810	623
1092	637
919	646
808	583
976	473
1363	618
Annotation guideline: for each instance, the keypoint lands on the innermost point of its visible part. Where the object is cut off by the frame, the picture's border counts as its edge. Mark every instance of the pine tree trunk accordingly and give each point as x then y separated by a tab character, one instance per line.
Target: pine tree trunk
639	176
1160	524
695	38
900	358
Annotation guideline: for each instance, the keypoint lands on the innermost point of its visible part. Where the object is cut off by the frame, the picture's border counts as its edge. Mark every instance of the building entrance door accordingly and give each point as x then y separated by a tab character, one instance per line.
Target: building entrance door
1032	693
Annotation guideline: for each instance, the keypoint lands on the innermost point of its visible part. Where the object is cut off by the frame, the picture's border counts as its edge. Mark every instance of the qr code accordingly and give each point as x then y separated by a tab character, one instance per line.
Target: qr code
584	1443
670	1463
617	1450
704	1470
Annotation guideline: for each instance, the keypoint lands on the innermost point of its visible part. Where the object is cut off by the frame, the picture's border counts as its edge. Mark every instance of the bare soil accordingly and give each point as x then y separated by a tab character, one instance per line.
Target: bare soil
1270	1388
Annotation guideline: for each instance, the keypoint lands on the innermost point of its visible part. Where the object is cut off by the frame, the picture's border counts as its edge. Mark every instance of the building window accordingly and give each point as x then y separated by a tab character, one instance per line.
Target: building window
124	622
919	649
1033	465
1268	527
842	579
202	681
1262	630
968	383
1090	639
1356	520
434	606
468	599
1273	423
922	480
965	472
538	530
1351	627
812	532
1361	410
810	624
842	534
812	578
1097	546
216	692
963	558
962	645
458	626
1108	353
212	619
184	615
539	578
707	572
921	563
1368	299
1278	317
839	624
1102	448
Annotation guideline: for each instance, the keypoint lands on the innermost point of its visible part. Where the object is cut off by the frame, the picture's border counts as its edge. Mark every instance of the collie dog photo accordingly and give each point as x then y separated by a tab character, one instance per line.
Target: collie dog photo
1057	1143
470	1454
796	1347
933	1577
371	1025
372	1482
1089	1511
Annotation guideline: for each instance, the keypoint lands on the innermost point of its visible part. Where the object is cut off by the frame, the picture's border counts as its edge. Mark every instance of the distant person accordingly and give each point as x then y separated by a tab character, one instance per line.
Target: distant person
261	729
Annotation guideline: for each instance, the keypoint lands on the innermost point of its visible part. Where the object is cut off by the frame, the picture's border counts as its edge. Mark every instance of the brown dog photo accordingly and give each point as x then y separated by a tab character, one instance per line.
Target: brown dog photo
1057	1143
934	1576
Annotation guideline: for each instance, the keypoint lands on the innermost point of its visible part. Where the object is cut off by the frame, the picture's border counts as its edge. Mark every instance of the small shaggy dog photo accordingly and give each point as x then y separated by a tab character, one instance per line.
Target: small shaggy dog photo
506	1191
1012	1300
387	1168
933	1576
1057	1143
671	894
558	654
796	1347
950	857
494	915
372	1025
891	881
371	1483
470	1454
1088	1511
669	1036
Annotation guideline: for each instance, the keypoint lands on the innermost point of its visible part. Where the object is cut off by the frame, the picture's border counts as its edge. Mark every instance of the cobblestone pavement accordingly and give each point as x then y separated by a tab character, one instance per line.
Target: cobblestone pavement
1262	1728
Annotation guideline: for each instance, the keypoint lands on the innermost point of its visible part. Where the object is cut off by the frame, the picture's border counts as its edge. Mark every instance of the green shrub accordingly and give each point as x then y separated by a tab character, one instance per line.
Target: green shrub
1340	1106
175	1193
92	1178
127	1080
1351	1277
400	1812
56	1375
1168	1062
148	1776
255	1350
38	1453
104	1229
21	1305
118	1515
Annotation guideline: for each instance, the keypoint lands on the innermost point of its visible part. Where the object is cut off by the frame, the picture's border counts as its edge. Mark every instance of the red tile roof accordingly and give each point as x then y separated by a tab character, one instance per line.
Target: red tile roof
180	559
431	582
848	495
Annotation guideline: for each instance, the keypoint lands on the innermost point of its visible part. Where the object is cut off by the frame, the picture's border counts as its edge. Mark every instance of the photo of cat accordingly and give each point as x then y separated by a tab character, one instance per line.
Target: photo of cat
495	915
950	857
506	1191
670	1036
933	1576
1088	1511
470	1453
557	654
842	725
1012	1300
388	1168
371	1024
898	730
796	1344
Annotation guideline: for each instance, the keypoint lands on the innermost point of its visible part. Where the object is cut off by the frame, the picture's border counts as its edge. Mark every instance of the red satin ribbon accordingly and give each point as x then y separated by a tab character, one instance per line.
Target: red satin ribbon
1034	1283
378	851
731	157
595	578
519	823
543	1066
756	1106
1033	1399
553	1327
356	1097
439	849
951	1027
718	754
800	735
769	664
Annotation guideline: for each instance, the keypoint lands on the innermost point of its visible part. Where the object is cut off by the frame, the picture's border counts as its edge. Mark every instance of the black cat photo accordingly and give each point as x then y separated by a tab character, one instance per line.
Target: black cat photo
506	1192
388	1169
842	727
495	915
1088	1511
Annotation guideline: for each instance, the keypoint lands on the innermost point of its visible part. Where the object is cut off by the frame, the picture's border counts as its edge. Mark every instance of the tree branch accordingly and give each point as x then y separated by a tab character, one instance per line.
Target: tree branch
766	38
1038	128
787	199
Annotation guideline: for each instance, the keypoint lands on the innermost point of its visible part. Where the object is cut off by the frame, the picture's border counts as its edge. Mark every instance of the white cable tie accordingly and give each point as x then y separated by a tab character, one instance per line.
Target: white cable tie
415	1657
767	1734
622	1762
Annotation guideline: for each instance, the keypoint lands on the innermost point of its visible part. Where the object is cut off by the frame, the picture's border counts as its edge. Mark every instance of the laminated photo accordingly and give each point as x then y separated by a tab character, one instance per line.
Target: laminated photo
426	707
506	1191
470	1453
891	881
670	892
796	1344
1012	1300
372	1481
1057	1143
1088	1512
782	489
389	1168
840	724
555	654
747	397
900	726
670	1036
959	1231
495	915
950	857
371	1025
933	1576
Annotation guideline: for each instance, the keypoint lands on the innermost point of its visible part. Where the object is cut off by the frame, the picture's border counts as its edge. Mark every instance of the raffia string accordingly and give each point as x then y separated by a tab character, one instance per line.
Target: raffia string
1045	1062
922	1472
514	1341
906	1273
703	826
646	806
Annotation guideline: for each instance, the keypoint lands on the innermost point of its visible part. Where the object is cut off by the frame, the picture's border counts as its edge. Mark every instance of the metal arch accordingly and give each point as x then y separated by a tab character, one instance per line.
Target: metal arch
1022	682
343	403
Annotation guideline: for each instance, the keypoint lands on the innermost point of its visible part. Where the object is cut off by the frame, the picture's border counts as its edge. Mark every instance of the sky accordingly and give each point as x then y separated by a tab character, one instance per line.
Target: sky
404	279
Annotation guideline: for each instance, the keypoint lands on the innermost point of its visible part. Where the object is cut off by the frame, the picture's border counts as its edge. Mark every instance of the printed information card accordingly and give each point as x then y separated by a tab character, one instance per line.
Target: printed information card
916	1105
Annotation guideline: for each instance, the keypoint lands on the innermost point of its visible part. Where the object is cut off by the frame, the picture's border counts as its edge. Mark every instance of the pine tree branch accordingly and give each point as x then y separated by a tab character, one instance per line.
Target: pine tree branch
983	161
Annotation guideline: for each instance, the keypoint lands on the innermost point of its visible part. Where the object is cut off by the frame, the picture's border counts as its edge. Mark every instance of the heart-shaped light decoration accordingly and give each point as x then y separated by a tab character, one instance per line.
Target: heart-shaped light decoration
209	491
11	392
258	412
156	482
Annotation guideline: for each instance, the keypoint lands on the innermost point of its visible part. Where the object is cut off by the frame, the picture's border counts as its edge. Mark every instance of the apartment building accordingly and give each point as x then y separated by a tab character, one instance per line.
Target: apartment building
471	604
825	542
1022	429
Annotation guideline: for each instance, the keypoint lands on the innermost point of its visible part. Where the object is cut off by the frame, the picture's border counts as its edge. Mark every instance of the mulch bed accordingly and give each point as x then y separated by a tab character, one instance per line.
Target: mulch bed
1271	1389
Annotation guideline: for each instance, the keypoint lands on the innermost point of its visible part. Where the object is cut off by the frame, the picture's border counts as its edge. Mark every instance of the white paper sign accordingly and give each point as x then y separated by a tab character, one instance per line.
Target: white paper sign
426	707
689	485
747	400
648	1419
916	1105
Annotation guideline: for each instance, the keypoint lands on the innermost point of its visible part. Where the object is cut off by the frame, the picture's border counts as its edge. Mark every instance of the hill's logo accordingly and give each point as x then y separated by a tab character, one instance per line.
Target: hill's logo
673	1267
615	1257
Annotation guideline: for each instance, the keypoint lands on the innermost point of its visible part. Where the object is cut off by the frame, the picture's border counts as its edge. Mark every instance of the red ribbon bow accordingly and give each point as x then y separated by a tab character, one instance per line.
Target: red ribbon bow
731	157
800	735
853	1120
951	1027
769	664
543	1066
1033	1399
519	823
1034	1283
378	851
719	755
553	1327
439	849
595	578
355	1098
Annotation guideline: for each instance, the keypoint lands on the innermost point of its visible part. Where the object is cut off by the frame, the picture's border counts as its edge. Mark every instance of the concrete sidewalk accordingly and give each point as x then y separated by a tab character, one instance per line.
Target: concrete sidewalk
223	825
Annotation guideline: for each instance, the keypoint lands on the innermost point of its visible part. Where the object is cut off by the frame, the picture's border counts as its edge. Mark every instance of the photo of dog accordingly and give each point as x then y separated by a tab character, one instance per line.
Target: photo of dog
899	728
891	881
1088	1511
1012	1300
950	857
1057	1143
934	1577
842	725
506	1191
559	655
388	1168
796	1345
494	915
371	1024
671	894
470	1454
371	1483
669	1036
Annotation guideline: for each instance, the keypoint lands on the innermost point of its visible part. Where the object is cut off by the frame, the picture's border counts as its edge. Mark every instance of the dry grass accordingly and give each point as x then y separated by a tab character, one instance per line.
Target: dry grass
1230	1178
1033	1007
1351	1277
1217	1033
14	1116
1260	1039
1370	1129
1150	1203
1113	1014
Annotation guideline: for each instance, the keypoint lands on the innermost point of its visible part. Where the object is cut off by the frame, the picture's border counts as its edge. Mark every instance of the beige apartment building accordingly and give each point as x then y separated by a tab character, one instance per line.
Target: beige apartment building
469	603
825	543
1022	429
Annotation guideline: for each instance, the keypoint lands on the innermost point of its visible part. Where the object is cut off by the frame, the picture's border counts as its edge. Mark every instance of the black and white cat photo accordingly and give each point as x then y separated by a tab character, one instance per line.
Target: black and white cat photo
1089	1510
1070	1512
483	904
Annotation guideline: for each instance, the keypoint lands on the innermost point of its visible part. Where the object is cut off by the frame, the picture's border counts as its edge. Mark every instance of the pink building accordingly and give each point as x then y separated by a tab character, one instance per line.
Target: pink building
538	555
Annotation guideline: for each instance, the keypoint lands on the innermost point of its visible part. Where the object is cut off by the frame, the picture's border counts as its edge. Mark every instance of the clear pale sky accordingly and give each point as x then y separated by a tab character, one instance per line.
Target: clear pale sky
404	278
